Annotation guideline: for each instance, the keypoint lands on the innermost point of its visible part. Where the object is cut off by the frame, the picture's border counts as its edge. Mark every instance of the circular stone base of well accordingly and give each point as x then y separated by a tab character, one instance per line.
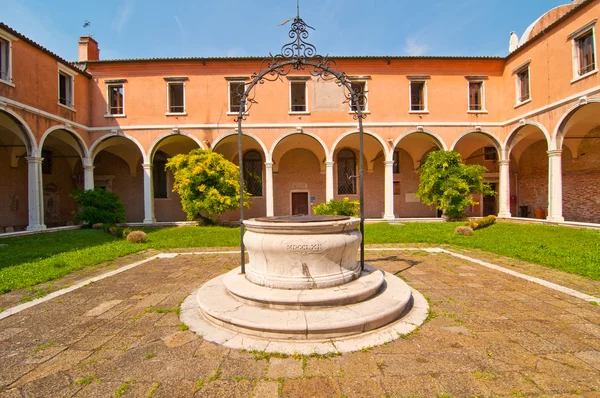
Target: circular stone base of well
389	314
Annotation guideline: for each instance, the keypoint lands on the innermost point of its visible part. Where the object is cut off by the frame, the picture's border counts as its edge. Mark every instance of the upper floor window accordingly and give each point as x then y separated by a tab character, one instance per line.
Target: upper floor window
476	98
418	94
522	83
116	99
159	175
584	50
298	96
236	91
360	88
5	60
176	97
65	88
346	162
253	173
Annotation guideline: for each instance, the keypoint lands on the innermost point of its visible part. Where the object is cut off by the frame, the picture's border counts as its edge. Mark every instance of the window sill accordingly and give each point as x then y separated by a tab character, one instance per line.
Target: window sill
236	113
7	83
518	104
299	113
418	112
478	112
115	116
175	113
167	198
66	107
584	76
363	112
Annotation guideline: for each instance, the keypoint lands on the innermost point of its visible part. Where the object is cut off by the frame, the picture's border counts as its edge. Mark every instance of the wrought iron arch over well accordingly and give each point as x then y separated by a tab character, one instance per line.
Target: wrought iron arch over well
300	55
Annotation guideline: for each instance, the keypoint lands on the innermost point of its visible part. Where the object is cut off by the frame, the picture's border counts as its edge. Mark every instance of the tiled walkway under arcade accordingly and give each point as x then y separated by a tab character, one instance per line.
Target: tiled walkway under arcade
490	334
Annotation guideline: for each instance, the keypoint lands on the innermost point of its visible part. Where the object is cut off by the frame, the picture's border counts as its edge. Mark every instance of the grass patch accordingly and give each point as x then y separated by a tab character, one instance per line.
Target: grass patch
42	347
122	389
183	327
34	259
152	390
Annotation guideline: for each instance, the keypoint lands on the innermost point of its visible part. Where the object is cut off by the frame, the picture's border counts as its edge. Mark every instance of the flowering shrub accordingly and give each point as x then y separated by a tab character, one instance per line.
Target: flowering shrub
481	223
344	207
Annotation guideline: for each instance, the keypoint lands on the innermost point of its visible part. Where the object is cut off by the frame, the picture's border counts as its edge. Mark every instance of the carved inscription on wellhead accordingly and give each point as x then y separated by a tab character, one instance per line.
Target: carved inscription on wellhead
303	246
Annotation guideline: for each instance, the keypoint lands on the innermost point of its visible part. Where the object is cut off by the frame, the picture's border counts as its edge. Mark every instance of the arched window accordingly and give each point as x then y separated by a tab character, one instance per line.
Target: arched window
253	173
159	175
346	161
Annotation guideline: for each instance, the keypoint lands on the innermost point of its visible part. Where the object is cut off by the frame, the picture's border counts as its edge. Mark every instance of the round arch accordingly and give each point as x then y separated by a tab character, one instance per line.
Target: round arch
495	141
508	142
557	134
82	150
28	138
384	146
156	142
288	134
93	151
250	135
438	140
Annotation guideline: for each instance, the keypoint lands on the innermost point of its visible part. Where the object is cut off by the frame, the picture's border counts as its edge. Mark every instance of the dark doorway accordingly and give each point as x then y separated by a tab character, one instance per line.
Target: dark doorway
299	203
489	203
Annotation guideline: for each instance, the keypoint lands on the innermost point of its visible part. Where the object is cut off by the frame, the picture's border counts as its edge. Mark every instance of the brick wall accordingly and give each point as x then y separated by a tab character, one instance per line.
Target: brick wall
409	184
13	193
532	178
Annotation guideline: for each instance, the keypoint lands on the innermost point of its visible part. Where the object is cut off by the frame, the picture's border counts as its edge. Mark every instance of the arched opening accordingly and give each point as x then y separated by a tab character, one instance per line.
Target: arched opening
167	204
298	174
15	146
482	149
374	153
63	152
408	154
118	168
527	147
227	146
579	138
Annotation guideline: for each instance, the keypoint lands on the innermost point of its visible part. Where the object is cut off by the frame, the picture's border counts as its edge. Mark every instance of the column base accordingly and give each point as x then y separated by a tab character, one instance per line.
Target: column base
389	217
555	219
149	220
36	227
504	215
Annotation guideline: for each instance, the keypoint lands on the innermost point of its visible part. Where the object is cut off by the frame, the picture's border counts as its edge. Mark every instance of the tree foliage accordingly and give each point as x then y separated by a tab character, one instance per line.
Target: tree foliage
449	184
98	206
207	183
344	207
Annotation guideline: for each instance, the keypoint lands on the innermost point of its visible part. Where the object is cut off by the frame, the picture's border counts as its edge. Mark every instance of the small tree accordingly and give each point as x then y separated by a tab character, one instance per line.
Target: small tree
98	206
450	184
207	183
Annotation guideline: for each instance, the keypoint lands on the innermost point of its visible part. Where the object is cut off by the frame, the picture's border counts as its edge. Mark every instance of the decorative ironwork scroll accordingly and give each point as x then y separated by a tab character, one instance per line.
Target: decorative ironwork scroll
300	55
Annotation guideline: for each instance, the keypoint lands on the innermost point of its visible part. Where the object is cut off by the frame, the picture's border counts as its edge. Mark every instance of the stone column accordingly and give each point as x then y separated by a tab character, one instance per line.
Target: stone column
269	188
329	192
148	194
88	174
35	194
388	213
504	190
555	185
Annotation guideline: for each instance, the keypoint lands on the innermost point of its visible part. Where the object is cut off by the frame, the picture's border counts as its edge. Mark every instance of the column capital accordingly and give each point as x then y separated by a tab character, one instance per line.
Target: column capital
89	167
269	165
147	166
554	152
388	163
503	162
34	159
329	164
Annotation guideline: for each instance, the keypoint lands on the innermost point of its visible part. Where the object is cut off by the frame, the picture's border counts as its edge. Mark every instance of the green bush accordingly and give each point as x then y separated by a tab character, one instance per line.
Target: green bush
98	206
481	223
344	207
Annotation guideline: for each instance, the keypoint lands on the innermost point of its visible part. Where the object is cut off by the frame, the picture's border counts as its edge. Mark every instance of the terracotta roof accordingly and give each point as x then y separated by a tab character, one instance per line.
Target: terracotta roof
70	65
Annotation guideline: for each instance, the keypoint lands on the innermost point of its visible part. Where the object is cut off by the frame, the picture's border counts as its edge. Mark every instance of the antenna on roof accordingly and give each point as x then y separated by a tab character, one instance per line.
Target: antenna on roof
88	24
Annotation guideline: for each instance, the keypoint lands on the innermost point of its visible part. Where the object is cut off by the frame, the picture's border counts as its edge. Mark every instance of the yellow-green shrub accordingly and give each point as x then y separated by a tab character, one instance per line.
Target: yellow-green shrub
481	223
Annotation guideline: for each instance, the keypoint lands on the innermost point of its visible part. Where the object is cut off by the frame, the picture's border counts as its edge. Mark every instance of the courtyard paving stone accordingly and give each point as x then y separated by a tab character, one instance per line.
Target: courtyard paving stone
489	334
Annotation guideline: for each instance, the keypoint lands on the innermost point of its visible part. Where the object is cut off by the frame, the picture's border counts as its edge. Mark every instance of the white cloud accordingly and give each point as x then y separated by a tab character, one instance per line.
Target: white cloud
123	15
415	47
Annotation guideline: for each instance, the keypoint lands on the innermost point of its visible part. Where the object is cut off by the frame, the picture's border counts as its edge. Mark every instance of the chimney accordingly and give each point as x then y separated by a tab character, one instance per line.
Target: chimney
88	49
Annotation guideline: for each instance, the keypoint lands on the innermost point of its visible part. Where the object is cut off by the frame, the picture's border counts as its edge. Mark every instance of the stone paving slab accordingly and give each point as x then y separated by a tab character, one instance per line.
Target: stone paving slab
489	334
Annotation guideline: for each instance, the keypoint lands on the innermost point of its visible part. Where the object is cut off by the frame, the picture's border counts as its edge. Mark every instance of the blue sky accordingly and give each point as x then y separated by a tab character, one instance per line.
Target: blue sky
159	28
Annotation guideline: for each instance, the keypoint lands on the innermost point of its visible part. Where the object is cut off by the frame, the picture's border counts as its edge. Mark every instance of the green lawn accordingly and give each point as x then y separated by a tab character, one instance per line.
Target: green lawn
29	260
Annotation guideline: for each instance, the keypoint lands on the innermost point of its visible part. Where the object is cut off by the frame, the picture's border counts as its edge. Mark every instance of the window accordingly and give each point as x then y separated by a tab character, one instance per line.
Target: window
159	175
65	89
346	172
396	162
418	96
5	61
176	97
115	99
236	91
584	50
523	88
490	153
47	162
253	173
476	96
298	97
361	89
